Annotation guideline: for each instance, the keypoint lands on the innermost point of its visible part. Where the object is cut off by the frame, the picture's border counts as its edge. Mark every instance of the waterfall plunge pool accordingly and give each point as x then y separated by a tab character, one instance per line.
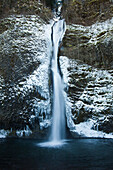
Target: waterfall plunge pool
25	154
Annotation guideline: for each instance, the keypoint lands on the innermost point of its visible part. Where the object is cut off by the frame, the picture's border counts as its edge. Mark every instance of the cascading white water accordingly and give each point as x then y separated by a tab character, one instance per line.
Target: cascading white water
58	126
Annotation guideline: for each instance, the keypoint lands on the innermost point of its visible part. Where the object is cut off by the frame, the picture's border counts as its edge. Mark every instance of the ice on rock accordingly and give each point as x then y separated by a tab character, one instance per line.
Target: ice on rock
95	98
85	129
3	133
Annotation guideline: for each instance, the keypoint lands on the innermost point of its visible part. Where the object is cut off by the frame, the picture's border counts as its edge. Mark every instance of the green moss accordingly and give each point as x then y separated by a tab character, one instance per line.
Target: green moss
77	2
94	15
97	1
69	45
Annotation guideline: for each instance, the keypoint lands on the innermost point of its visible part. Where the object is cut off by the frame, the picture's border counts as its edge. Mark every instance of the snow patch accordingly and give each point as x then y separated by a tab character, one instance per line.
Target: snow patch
95	98
25	132
85	129
4	133
45	124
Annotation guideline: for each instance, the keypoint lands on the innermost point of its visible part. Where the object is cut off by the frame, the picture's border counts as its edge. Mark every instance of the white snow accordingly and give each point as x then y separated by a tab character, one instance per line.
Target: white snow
25	132
85	129
3	133
98	102
45	123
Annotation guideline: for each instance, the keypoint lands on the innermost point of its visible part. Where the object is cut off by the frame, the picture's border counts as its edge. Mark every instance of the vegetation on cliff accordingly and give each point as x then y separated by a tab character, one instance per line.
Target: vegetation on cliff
26	7
87	12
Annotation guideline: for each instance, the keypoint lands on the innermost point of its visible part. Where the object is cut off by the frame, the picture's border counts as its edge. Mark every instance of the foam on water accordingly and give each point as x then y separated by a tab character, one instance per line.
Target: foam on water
53	144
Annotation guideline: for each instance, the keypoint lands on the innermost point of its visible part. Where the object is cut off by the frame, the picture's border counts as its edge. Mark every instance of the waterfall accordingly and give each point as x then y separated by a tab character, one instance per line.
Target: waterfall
57	135
58	126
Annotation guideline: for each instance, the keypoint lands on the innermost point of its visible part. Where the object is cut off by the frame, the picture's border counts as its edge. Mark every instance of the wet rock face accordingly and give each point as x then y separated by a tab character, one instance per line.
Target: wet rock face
91	44
24	73
89	94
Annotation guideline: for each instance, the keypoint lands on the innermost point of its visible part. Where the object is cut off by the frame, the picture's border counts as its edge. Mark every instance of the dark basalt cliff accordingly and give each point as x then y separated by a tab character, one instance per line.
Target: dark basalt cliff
91	44
24	66
87	12
88	44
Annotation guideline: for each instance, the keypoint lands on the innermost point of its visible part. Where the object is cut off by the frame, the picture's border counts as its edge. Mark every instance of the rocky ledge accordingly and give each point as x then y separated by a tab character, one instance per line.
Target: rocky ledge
91	44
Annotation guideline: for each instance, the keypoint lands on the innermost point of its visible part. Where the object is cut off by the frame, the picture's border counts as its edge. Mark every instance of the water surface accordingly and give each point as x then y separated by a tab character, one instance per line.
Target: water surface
25	154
